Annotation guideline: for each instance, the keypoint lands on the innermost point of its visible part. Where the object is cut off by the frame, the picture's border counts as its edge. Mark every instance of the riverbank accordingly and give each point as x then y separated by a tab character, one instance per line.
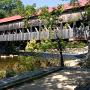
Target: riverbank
50	51
31	62
26	76
66	50
20	78
70	78
7	56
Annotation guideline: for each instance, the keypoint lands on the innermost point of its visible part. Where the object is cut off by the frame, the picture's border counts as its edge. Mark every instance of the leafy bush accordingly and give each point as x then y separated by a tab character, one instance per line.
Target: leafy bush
10	72
32	62
44	45
2	74
77	44
31	45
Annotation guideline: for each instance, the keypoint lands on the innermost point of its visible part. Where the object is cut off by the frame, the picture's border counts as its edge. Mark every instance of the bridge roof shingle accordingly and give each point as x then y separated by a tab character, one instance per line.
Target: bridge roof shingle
12	18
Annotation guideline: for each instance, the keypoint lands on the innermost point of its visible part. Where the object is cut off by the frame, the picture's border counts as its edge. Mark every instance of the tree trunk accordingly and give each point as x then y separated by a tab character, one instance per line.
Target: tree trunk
60	50
88	56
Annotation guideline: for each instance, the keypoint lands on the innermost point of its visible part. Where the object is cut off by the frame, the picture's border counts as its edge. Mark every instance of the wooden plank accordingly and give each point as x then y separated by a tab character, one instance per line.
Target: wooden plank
65	34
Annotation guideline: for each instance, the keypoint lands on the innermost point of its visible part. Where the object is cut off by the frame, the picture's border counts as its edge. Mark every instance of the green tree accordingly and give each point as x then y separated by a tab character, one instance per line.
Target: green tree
10	7
49	18
2	14
19	8
46	17
29	11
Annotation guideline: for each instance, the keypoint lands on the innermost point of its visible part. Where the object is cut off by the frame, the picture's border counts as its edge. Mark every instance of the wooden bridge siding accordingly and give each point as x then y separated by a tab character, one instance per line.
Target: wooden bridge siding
65	34
18	25
34	35
13	26
25	36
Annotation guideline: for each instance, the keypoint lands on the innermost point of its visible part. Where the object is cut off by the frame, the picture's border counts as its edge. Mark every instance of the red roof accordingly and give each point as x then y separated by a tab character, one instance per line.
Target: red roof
50	9
10	18
81	2
66	6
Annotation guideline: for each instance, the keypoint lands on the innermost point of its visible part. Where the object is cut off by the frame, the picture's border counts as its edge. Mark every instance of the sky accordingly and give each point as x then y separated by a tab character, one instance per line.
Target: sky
40	3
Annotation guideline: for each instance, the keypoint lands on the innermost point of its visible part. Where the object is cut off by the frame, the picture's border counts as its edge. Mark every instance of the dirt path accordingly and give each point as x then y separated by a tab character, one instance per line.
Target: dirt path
67	79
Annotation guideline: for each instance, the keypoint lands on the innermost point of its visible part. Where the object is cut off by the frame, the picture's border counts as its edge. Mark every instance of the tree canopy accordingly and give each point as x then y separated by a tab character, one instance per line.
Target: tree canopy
50	18
10	7
15	7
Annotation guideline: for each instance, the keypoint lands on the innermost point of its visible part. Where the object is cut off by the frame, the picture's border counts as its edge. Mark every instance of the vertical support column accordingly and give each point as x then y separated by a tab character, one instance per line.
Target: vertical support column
39	29
31	32
72	32
61	29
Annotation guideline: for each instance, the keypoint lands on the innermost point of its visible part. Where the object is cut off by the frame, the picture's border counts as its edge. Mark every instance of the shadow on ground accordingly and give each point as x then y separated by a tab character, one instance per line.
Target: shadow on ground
68	79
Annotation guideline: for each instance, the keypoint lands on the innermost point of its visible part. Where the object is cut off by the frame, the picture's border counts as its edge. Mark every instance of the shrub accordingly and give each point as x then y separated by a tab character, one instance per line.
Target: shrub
44	45
2	74
31	63
77	44
10	72
31	45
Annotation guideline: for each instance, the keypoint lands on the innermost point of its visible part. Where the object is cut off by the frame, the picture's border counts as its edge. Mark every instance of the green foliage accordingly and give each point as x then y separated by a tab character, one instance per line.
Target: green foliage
29	11
66	26
58	11
10	7
74	3
88	13
29	63
50	18
2	14
33	62
10	72
75	44
15	7
31	45
2	74
44	45
19	9
45	16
